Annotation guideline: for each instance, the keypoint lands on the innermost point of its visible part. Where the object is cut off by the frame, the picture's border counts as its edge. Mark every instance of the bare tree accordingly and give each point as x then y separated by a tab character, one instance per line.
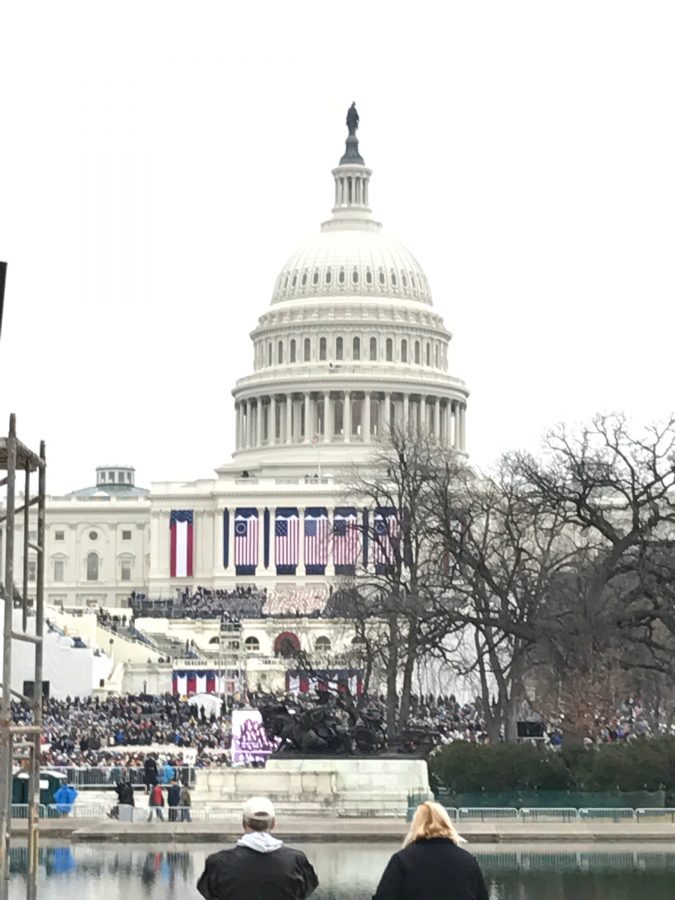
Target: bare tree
398	586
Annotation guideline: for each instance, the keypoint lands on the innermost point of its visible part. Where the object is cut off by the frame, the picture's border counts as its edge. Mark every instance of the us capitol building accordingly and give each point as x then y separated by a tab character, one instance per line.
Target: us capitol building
349	346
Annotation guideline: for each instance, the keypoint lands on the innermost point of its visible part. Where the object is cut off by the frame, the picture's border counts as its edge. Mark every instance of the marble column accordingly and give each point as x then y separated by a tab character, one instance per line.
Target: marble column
272	421
455	425
406	413
385	415
437	420
289	418
236	426
462	427
259	420
347	417
327	418
309	429
365	418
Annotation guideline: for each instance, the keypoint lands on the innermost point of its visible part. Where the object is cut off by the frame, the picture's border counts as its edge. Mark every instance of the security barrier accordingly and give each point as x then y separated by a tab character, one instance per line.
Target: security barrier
607	814
560	814
467	813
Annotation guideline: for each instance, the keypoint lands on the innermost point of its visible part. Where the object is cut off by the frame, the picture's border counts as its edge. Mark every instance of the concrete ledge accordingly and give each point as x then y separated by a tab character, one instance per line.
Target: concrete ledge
337	830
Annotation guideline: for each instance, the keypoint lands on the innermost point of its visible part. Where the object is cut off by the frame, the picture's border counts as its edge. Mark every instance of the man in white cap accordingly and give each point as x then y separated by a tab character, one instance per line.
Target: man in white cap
259	867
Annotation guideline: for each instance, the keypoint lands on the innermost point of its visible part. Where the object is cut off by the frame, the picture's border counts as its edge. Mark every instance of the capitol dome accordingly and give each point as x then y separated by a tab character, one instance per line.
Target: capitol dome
347	263
349	348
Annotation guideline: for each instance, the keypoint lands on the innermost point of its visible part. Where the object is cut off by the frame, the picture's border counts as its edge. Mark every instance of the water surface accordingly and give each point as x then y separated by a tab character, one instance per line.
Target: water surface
351	871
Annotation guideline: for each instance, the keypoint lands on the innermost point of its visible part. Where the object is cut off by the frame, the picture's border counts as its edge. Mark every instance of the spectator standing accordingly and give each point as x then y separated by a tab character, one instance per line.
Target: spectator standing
65	798
185	804
156	803
259	865
168	772
173	800
150	773
431	865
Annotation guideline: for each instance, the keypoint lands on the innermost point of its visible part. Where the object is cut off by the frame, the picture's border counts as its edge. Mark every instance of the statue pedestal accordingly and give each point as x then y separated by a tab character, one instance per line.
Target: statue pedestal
347	787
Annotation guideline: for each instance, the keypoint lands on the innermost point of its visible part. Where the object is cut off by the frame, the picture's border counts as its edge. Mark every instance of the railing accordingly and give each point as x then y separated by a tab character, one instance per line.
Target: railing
108	776
467	813
552	814
613	815
549	814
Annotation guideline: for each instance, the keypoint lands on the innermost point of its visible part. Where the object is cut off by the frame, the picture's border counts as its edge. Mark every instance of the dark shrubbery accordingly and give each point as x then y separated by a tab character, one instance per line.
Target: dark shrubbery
642	765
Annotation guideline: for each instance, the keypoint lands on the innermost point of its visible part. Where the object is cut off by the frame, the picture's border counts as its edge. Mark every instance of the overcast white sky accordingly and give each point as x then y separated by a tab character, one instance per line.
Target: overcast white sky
160	160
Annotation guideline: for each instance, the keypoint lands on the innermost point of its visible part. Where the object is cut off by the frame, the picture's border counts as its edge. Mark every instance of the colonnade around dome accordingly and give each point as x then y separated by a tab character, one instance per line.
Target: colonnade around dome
346	416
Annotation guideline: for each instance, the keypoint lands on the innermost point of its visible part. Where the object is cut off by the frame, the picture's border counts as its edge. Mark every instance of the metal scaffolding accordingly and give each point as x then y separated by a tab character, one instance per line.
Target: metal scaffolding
21	742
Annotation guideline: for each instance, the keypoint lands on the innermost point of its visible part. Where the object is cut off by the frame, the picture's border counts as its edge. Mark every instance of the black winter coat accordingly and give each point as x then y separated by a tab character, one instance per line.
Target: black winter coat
435	869
245	874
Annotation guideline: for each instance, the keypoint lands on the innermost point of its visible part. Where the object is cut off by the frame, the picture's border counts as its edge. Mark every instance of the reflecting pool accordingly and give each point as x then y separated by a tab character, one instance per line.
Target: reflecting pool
351	871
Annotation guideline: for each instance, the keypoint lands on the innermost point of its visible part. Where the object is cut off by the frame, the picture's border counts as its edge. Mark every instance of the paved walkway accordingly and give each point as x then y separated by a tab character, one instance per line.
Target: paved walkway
371	830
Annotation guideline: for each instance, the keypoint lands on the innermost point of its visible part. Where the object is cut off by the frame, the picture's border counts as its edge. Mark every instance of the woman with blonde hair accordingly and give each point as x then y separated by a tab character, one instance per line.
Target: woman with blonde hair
432	865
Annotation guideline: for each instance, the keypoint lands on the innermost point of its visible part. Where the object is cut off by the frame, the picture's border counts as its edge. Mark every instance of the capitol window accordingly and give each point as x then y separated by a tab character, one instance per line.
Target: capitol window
59	535
373	349
295	280
92	567
308	350
269	354
93	535
437	355
322	644
328	275
389	350
404	280
125	570
404	351
252	644
315	277
428	353
393	278
304	278
322	349
59	570
280	352
126	535
355	276
356	348
338	348
292	350
32	569
381	277
341	276
418	356
369	277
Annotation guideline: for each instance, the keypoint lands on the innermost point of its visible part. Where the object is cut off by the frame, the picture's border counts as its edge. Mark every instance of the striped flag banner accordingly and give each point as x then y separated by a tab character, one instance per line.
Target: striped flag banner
316	540
286	539
346	540
386	537
181	527
245	540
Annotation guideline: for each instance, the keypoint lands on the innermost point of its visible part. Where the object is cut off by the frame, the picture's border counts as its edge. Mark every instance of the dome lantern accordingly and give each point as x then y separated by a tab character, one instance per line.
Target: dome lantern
352	179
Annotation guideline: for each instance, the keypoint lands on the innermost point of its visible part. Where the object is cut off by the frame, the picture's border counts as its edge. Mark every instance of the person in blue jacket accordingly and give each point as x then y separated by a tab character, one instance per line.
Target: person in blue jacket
65	799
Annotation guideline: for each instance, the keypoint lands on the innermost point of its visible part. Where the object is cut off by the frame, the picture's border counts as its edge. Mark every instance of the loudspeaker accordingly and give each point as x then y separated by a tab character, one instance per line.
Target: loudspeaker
530	729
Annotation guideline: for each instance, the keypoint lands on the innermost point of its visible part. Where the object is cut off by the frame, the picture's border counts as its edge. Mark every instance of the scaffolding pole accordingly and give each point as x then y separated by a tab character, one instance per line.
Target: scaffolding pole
16	458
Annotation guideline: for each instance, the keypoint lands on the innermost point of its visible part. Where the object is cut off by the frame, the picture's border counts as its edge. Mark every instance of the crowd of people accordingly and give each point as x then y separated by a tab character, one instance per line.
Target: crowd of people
89	731
243	602
119	733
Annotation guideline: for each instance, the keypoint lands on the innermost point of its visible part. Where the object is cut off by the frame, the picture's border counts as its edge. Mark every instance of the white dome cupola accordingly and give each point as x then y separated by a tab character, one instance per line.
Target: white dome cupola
350	346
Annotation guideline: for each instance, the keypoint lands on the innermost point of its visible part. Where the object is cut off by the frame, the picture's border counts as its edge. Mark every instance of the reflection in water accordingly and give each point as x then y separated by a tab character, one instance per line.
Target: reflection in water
349	872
